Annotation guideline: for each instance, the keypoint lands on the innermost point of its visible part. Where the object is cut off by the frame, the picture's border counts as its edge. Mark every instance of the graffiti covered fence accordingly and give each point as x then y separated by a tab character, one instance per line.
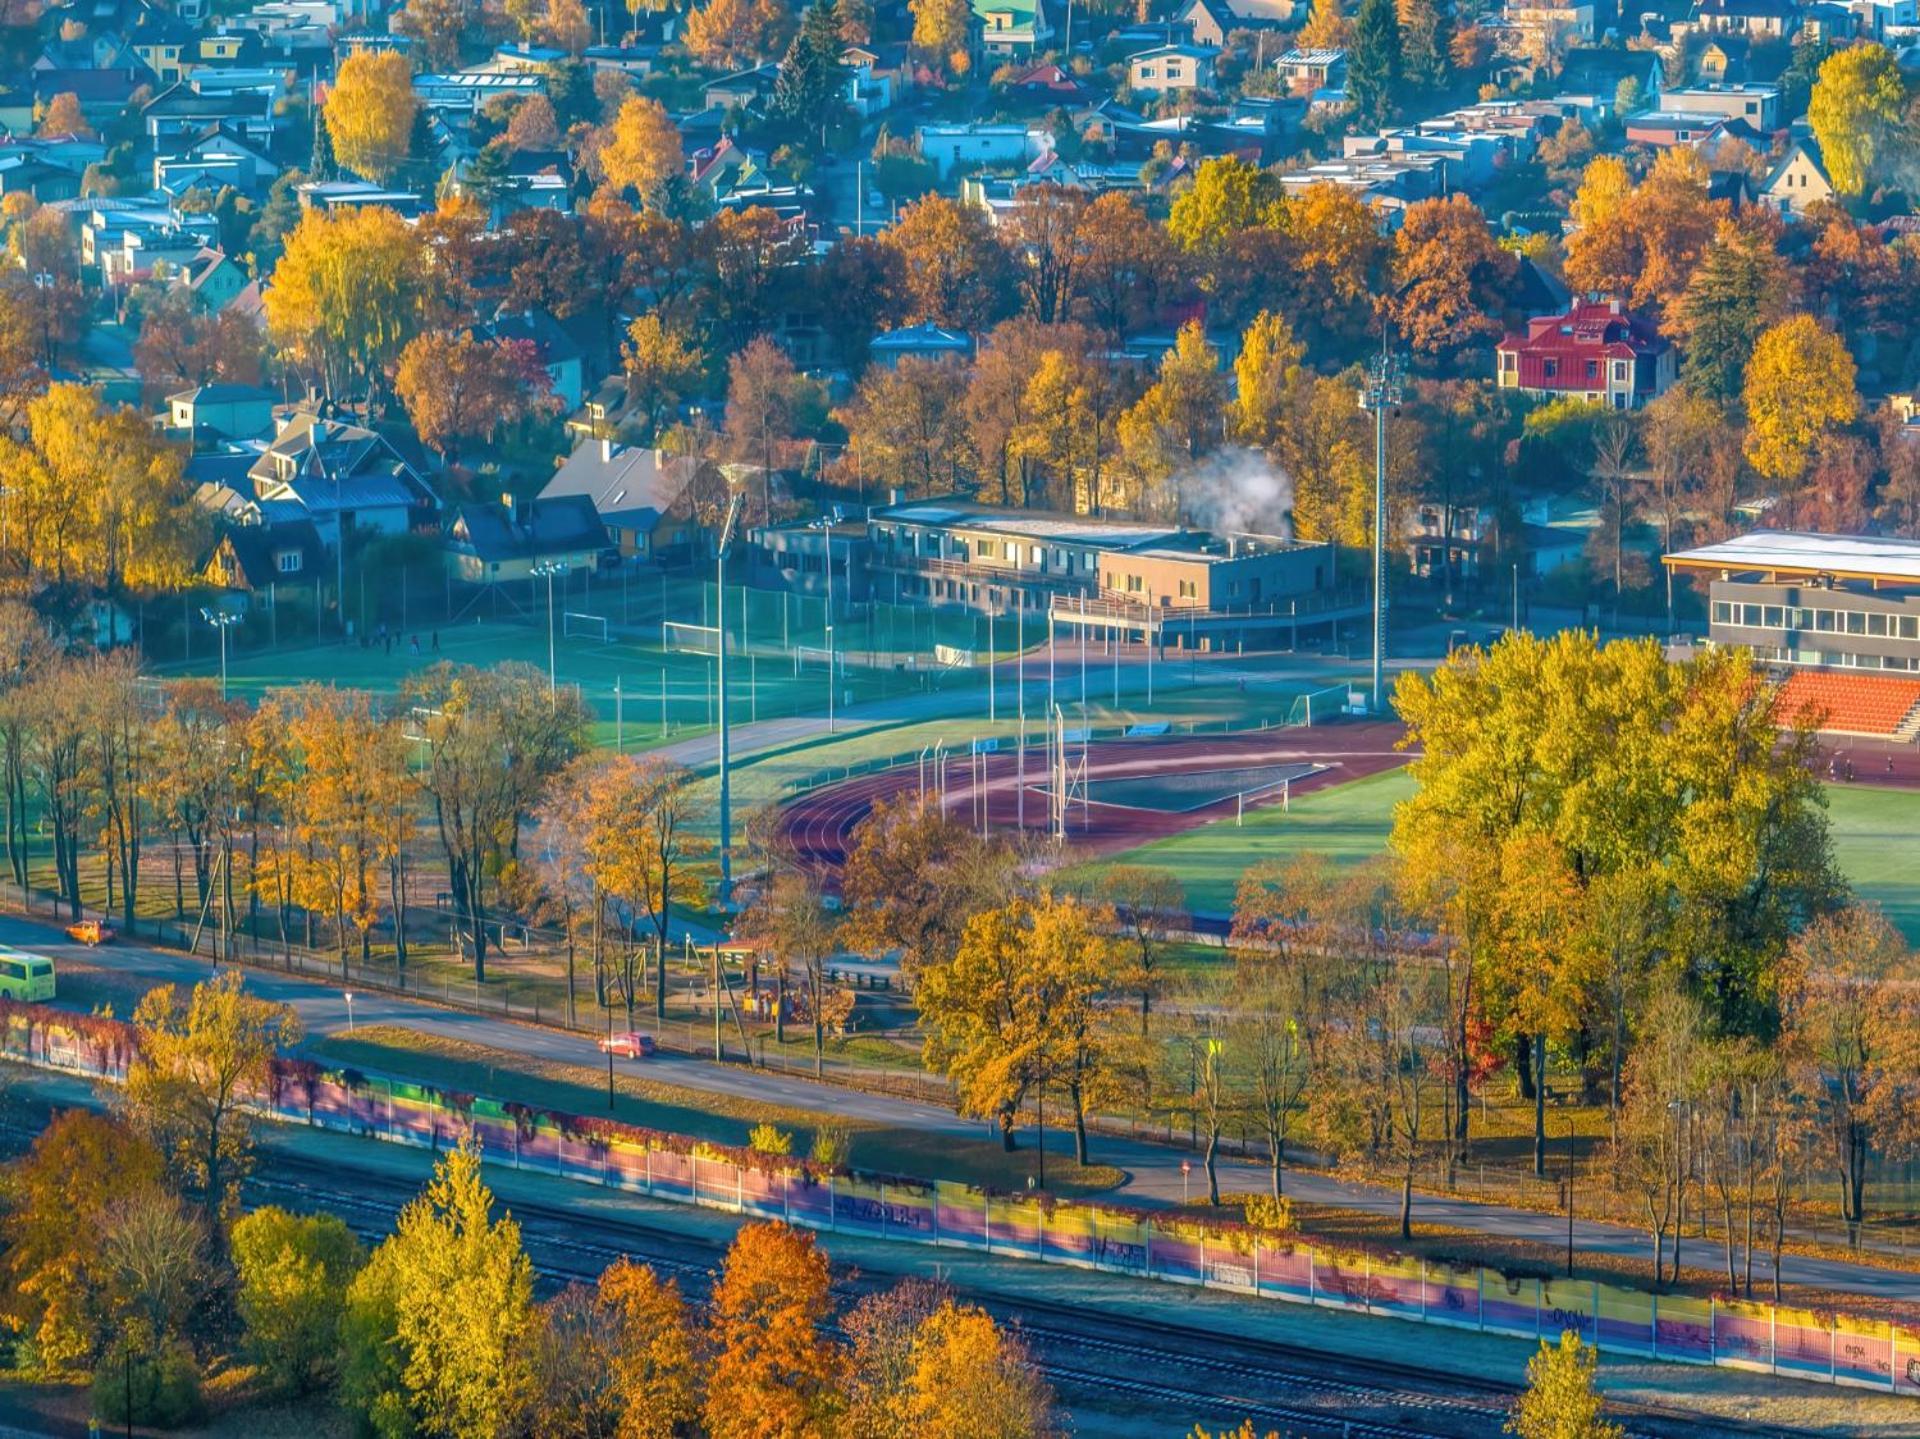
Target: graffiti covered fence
1835	1348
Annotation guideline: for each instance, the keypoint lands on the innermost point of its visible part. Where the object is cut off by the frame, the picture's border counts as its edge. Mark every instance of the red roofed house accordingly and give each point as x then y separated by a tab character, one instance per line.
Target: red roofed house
1596	351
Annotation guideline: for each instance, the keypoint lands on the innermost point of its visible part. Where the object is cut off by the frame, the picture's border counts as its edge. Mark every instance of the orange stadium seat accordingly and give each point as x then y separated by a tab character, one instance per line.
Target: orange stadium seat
1845	703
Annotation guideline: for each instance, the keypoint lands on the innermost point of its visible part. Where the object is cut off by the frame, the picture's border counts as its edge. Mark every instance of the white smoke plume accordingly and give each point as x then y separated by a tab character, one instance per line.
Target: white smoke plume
1237	490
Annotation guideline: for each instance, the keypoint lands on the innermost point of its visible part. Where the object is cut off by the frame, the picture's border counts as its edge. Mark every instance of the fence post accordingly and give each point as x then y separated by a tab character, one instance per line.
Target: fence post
1653	1333
1311	1280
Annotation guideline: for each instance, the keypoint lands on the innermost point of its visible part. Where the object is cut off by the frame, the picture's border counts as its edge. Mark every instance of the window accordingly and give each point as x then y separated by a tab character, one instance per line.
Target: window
1910	627
1189	590
1824	620
1593	369
1750	616
1551	369
1772	617
1877	624
287	562
1620	370
1134	584
1722	612
1856	622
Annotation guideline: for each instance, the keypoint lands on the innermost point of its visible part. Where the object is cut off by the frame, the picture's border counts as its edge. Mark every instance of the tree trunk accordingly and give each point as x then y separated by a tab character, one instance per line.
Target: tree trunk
1007	1116
1077	1094
660	978
1406	1200
1276	1159
1540	1106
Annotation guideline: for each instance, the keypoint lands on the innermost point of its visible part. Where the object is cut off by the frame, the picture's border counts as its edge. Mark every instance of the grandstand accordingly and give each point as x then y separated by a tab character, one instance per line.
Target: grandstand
1837	615
1872	706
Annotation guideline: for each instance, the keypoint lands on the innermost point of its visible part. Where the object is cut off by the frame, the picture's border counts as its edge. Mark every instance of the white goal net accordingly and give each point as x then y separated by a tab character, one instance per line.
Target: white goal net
576	625
676	636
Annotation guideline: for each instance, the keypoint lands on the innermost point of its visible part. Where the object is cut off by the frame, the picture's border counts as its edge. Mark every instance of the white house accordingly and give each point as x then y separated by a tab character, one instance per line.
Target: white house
1171	67
1798	182
952	147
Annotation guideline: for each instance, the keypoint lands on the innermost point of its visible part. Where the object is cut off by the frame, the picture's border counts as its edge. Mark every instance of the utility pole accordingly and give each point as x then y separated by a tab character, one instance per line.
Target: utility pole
1384	389
221	620
726	753
548	569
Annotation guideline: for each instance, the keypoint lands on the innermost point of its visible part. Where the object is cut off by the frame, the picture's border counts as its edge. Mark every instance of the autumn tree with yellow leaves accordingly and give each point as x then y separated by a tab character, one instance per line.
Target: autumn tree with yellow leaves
349	292
434	1334
96	497
369	113
198	1063
642	149
774	1373
643	851
942	34
1799	386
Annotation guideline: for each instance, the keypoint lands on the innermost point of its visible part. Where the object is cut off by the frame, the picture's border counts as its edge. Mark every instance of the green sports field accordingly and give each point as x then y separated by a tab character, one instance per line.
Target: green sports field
763	685
1876	837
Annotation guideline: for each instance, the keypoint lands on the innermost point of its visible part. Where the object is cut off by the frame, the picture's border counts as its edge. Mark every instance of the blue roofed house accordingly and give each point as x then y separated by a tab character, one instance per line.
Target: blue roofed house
348	480
488	543
642	495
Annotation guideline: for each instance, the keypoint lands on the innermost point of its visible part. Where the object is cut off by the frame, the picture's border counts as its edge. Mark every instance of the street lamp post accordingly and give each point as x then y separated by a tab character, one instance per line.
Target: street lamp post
720	679
221	620
1569	1196
1384	389
349	998
547	569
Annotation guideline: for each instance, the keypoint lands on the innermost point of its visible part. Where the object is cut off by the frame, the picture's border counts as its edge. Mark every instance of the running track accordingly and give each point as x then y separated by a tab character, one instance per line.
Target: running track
820	825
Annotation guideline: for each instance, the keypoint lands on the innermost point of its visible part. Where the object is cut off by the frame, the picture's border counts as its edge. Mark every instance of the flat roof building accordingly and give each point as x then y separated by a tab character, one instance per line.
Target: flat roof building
1839	615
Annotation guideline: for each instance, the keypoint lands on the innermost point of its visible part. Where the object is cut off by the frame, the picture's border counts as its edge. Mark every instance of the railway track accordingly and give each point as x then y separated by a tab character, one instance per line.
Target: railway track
1182	1372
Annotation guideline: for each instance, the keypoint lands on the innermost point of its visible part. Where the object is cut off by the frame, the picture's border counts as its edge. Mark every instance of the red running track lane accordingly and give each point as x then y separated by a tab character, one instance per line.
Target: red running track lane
820	825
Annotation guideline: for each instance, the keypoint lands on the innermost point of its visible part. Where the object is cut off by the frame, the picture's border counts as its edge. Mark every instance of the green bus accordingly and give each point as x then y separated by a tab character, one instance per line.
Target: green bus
25	976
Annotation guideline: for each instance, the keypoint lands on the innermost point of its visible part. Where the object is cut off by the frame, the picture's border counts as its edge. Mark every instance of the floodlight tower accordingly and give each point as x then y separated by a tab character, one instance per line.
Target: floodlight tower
1385	387
720	680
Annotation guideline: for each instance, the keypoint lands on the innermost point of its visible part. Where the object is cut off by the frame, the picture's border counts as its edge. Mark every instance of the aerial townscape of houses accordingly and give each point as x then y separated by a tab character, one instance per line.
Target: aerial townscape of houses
173	150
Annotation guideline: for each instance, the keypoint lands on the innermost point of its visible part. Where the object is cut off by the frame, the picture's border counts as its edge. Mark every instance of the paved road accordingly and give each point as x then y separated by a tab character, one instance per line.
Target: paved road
1154	1171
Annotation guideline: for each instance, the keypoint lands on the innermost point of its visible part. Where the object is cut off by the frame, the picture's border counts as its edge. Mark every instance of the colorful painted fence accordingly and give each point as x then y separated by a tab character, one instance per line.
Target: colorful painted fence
1838	1349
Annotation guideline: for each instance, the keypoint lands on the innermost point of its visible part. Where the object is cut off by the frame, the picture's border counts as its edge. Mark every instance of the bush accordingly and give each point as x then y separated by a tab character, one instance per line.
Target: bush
1269	1215
768	1138
160	1382
832	1146
294	1271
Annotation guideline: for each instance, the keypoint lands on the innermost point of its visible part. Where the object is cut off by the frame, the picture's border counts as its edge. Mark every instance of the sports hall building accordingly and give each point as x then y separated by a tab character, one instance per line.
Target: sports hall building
1837	615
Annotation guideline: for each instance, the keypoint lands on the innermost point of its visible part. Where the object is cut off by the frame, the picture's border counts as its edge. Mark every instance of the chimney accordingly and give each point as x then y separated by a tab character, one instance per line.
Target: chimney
893	495
606	448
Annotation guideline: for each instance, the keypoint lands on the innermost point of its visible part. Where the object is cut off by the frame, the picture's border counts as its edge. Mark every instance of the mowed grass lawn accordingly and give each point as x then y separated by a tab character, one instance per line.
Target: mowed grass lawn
1876	838
1346	823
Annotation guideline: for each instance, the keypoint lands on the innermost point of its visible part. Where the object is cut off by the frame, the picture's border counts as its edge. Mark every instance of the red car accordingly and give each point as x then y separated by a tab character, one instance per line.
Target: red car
631	1045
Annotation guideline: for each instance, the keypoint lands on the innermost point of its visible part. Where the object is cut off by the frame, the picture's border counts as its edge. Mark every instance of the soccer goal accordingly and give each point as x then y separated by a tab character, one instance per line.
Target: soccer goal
578	625
816	657
679	637
1317	705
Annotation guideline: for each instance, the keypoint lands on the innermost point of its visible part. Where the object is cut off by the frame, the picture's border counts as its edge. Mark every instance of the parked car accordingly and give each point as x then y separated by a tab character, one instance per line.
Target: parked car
630	1045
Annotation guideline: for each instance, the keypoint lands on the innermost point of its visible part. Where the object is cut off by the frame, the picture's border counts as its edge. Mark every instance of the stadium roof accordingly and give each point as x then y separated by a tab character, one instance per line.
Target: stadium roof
1797	553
